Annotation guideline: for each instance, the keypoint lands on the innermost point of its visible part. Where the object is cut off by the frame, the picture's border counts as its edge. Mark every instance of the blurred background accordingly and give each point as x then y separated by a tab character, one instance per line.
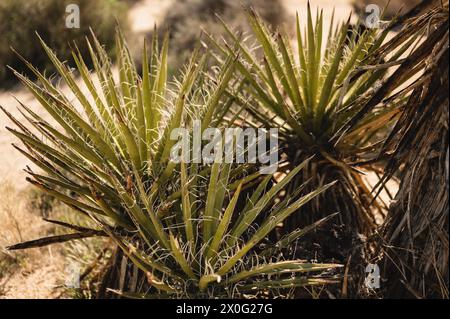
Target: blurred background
39	273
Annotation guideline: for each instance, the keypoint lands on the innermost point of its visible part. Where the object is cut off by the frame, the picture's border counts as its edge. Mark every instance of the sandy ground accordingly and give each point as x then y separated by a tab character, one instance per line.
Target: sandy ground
35	273
41	278
145	14
12	162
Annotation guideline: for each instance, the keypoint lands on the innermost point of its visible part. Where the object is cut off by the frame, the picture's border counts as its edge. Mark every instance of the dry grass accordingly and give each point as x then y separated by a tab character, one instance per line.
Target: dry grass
40	272
26	274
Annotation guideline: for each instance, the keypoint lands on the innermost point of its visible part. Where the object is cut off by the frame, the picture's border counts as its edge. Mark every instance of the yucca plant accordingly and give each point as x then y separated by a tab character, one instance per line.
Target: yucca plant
315	96
106	154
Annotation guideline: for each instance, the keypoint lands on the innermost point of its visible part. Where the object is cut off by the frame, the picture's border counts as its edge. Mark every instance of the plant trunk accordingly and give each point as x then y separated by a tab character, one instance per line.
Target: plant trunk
415	236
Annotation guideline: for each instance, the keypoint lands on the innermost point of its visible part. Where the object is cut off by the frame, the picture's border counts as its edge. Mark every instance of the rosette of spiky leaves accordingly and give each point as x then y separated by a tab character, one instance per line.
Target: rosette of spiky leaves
113	134
215	248
313	96
106	154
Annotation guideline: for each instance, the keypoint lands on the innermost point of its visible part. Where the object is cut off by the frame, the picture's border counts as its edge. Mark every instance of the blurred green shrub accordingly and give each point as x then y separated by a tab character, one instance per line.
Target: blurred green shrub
186	18
19	19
